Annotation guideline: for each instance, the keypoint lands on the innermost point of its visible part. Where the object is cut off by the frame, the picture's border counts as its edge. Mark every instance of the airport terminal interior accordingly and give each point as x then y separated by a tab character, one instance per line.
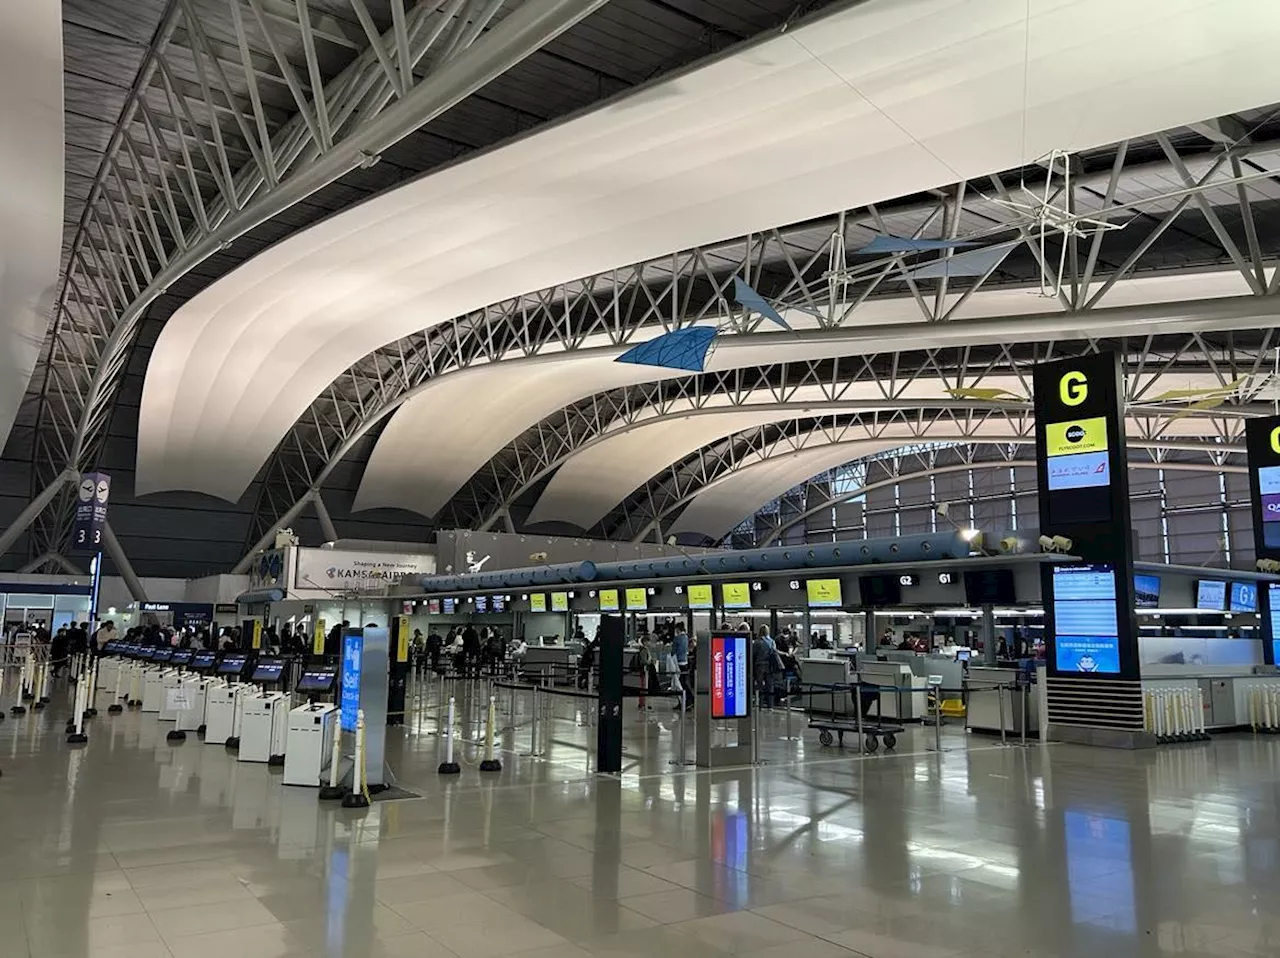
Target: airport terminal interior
639	479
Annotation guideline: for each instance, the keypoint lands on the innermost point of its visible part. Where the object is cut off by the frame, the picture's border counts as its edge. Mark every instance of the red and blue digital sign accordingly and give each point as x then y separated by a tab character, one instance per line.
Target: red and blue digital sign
730	677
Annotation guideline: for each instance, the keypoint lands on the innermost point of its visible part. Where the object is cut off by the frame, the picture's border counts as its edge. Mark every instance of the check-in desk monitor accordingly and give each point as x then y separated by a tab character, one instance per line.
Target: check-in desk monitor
204	661
232	664
267	671
317	681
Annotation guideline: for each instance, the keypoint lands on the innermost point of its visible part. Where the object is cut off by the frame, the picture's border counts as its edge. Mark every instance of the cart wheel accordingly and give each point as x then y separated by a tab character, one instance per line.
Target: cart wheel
825	737
873	743
890	740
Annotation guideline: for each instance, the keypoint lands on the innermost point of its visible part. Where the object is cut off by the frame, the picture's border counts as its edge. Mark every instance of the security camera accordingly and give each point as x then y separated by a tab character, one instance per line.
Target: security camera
538	557
1010	544
1268	565
1062	543
1046	543
942	508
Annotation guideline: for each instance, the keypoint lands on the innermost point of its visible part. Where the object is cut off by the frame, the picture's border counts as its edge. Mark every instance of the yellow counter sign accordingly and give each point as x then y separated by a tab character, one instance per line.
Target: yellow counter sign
538	602
1075	435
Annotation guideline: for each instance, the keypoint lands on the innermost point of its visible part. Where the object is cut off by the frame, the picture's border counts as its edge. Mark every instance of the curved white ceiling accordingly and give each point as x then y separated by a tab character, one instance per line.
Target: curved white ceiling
593	481
31	189
875	101
452	426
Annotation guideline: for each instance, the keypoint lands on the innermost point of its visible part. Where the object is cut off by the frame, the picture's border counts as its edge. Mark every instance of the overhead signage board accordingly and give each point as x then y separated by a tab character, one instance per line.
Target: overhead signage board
730	689
736	595
608	600
90	519
1083	478
329	571
637	599
559	601
699	596
537	602
824	593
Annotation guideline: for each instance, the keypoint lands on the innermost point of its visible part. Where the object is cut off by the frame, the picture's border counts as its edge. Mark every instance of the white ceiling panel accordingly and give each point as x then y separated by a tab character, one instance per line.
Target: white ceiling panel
875	101
31	191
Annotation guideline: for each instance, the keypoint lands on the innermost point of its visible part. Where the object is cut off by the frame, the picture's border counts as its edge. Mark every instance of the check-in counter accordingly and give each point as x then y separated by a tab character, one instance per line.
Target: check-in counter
550	664
904	705
984	707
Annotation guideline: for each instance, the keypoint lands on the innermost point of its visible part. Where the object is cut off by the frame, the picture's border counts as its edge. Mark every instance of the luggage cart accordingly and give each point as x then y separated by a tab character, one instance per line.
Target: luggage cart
871	729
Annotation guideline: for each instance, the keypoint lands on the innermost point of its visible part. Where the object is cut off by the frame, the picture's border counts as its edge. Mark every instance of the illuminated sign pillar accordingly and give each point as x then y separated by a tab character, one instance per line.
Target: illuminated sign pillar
1093	689
723	700
1262	443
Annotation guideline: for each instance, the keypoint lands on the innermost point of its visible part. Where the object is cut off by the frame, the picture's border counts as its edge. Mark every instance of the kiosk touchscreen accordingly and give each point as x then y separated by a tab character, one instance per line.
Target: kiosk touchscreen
232	665
267	671
317	681
204	661
181	657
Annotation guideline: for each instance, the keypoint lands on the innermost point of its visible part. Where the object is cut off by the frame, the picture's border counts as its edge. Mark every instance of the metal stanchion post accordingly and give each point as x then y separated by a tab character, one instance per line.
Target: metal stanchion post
937	717
533	722
490	763
1026	704
1000	699
77	736
333	789
449	766
857	710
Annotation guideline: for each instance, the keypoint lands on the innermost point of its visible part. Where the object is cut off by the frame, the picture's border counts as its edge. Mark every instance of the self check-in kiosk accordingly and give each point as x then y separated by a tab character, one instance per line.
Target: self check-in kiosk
264	715
170	680
153	680
222	700
195	680
309	738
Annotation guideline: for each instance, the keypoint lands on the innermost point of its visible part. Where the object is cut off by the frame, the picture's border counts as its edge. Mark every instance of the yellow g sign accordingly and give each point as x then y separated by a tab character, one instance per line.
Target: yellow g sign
1073	388
1275	439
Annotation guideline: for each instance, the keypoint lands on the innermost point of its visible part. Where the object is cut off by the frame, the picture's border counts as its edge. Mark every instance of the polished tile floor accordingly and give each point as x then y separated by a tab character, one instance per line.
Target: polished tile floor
131	848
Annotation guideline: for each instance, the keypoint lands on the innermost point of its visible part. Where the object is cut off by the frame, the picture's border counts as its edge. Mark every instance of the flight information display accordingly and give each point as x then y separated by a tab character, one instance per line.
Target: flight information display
1269	493
1211	594
1244	597
730	688
1086	631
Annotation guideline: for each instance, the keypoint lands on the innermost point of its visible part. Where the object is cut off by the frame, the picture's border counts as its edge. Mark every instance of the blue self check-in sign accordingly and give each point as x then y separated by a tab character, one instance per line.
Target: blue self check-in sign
352	654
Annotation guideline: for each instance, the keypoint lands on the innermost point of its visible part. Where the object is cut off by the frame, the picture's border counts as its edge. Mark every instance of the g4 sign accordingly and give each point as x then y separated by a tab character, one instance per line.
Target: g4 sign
1073	388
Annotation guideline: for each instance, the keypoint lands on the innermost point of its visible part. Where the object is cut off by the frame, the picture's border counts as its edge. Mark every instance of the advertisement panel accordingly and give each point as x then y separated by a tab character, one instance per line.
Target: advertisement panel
730	685
352	658
327	571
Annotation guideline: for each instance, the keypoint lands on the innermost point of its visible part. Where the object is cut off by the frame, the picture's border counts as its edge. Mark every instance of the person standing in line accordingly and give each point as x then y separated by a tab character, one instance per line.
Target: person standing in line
648	669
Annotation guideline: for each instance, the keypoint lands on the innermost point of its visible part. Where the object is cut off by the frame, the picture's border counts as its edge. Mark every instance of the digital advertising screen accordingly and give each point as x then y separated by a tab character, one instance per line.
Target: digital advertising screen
736	595
498	603
823	593
730	685
1243	597
482	603
559	601
1086	631
1211	595
637	599
608	600
537	602
1146	591
699	596
449	606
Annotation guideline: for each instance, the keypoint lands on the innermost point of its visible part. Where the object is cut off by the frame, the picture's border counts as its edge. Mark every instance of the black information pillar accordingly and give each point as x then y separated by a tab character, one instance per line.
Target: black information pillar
1082	472
1262	443
609	726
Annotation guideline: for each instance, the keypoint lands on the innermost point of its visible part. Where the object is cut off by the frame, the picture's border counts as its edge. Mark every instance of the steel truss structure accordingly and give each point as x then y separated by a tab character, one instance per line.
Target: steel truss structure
204	152
813	267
